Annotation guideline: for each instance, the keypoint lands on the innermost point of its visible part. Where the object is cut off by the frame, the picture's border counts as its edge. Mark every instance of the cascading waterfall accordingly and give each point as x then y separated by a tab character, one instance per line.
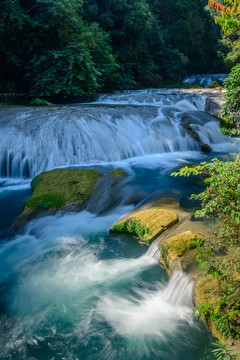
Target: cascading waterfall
116	127
204	79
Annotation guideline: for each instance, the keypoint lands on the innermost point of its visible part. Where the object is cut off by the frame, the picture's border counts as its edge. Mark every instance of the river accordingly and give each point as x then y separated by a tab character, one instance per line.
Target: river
69	289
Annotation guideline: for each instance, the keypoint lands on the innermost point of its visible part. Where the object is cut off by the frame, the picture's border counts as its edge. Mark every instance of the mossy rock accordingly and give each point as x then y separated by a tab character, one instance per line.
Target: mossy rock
62	187
58	189
147	224
206	293
177	246
117	172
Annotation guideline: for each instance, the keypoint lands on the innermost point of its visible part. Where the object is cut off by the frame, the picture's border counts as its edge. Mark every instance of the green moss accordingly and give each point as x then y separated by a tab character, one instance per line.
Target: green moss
60	187
46	201
178	246
35	181
117	172
133	227
154	221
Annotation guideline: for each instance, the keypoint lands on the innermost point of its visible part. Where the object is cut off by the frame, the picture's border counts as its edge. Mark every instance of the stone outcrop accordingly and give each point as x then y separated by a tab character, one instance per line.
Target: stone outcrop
213	104
174	249
146	224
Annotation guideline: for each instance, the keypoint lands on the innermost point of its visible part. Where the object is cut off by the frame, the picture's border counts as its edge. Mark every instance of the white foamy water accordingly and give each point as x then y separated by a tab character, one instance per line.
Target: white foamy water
204	79
117	127
54	277
155	313
13	184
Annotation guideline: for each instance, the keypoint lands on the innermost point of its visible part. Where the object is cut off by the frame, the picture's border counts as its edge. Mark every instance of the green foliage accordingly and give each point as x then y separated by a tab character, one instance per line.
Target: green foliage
61	48
231	107
133	227
35	181
219	255
230	21
215	84
64	72
39	102
222	353
221	198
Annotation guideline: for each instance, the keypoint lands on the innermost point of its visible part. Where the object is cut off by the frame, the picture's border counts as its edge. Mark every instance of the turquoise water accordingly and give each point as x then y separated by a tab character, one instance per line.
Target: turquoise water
68	289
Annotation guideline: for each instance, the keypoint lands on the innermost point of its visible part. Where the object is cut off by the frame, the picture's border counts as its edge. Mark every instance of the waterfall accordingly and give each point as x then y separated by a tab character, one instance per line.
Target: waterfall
179	290
116	127
204	79
154	250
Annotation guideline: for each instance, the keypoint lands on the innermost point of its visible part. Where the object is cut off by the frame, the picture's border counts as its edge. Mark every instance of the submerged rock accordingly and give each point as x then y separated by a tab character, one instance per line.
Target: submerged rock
146	224
206	148
108	192
191	131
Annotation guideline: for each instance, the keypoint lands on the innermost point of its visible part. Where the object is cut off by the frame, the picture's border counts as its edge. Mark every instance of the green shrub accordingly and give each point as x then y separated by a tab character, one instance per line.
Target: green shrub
215	83
219	255
39	102
221	352
231	107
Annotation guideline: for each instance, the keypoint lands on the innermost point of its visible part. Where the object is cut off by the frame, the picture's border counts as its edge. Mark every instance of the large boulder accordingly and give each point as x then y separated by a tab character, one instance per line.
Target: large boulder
59	189
214	103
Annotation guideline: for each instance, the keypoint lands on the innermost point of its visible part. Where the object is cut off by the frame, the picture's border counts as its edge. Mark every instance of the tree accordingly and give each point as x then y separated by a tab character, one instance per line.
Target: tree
230	19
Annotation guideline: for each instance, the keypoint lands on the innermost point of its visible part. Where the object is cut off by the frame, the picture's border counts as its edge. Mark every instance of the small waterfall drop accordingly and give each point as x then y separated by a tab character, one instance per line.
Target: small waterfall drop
204	79
154	250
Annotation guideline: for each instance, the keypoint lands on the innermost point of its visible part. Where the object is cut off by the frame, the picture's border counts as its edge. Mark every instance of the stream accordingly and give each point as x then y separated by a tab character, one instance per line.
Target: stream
70	290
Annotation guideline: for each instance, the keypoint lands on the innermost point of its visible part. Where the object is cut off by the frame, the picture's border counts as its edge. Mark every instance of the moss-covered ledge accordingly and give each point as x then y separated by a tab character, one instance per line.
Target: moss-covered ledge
146	224
59	189
176	252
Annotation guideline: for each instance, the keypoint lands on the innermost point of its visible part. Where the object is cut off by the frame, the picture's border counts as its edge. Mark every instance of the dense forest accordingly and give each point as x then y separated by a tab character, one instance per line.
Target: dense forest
71	47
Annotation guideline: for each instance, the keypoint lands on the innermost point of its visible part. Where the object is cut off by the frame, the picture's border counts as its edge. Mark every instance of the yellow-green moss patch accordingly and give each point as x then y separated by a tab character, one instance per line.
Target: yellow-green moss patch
177	246
117	172
147	224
